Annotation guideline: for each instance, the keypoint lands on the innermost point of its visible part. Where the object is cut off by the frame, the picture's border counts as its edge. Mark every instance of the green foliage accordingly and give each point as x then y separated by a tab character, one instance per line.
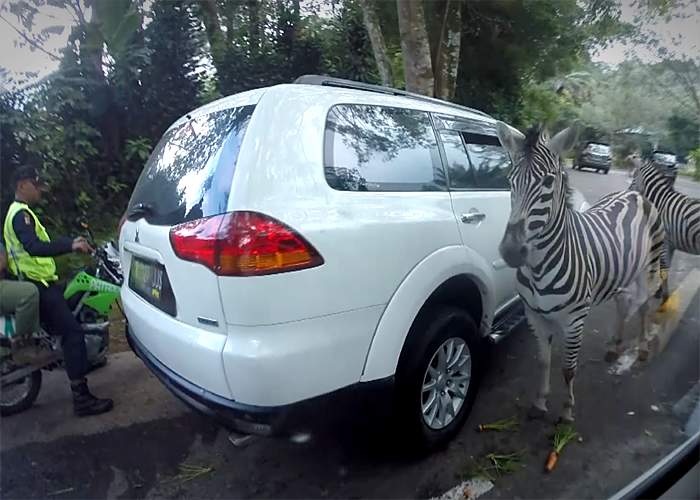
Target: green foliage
694	156
346	47
683	133
171	81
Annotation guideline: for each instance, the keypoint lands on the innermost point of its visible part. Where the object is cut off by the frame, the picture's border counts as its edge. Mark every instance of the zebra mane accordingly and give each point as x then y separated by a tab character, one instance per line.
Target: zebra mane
569	196
532	138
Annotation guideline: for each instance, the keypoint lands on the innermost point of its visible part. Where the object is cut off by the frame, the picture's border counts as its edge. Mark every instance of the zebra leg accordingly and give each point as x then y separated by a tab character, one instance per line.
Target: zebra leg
665	266
573	336
644	311
622	302
543	333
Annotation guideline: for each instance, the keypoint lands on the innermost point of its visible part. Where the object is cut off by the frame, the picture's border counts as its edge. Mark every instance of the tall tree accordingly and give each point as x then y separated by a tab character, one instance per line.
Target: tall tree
418	69
173	42
446	46
374	30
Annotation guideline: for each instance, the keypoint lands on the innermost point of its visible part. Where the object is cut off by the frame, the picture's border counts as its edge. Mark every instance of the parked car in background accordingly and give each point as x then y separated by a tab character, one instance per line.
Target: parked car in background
596	156
668	161
299	246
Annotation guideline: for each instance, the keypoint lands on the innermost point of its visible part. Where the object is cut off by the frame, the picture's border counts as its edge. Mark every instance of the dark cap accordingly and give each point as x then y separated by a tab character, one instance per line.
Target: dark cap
28	172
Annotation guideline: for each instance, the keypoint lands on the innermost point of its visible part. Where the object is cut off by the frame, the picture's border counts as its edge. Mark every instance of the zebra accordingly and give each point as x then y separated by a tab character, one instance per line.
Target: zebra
679	213
568	261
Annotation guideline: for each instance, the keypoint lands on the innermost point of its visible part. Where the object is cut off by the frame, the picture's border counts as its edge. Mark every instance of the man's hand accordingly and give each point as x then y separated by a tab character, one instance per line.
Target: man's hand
80	244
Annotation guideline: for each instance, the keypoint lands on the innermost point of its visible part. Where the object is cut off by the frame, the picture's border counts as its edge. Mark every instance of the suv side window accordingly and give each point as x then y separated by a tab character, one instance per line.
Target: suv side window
459	170
489	160
475	161
379	148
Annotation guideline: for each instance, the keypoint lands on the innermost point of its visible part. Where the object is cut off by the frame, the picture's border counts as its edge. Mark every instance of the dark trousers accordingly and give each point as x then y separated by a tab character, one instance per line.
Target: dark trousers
59	320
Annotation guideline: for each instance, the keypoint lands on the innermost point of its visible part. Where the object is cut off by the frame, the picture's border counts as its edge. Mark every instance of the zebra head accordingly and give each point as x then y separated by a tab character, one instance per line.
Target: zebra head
535	180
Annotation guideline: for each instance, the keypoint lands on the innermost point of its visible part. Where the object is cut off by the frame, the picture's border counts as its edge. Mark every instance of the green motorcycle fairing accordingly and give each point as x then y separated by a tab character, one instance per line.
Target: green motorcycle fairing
105	293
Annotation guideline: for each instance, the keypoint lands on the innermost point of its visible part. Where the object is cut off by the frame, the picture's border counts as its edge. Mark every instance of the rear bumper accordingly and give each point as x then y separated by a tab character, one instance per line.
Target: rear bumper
589	163
358	399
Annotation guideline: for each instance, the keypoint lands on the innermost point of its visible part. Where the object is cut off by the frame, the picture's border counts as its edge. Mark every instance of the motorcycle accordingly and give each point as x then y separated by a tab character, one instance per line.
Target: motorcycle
90	294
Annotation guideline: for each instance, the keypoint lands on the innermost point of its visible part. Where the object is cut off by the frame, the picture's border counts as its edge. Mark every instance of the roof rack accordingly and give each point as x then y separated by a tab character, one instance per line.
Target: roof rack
328	81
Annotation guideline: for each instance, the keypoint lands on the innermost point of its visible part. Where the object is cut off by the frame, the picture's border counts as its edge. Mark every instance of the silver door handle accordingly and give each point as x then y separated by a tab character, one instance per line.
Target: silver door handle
473	217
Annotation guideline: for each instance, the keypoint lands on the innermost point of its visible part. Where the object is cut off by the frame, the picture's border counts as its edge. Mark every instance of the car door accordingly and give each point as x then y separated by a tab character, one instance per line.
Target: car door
477	169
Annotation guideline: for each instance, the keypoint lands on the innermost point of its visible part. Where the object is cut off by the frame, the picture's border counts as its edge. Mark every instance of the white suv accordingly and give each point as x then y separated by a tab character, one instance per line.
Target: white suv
292	245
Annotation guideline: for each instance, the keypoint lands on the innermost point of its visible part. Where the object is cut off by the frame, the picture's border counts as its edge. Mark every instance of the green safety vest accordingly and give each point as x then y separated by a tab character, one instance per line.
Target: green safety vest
41	269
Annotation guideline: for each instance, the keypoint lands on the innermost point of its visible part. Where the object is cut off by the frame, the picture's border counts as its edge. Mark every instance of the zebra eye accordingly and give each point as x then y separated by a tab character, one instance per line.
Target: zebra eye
548	181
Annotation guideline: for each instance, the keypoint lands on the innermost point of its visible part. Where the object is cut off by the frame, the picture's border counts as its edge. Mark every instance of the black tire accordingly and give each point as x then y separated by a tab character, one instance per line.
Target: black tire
28	400
430	330
606	171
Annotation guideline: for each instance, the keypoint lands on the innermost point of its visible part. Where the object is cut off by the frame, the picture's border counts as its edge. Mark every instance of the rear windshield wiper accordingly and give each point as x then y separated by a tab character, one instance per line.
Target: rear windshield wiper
139	211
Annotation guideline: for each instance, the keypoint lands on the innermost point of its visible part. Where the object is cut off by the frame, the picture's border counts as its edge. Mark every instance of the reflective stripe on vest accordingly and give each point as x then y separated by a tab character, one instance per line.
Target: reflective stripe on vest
41	269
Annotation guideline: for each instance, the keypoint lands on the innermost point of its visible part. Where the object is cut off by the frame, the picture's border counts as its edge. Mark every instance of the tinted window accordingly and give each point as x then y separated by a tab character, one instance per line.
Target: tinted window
189	173
376	148
475	161
491	165
459	169
600	149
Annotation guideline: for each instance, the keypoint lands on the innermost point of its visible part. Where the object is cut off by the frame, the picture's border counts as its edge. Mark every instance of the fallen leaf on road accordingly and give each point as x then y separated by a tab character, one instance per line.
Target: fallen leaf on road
654	408
506	424
648	433
190	472
630	413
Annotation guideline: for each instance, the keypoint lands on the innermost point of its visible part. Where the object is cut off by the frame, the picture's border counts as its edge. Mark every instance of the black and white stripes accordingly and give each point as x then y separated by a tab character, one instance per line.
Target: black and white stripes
568	261
679	213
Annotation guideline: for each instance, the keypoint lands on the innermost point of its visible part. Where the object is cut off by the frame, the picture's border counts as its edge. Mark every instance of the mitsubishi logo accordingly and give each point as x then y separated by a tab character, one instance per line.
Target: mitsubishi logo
136	238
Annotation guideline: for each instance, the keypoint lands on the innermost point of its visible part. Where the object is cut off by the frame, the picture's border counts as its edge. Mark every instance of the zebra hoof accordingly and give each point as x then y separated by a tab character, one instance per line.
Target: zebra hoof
535	413
611	356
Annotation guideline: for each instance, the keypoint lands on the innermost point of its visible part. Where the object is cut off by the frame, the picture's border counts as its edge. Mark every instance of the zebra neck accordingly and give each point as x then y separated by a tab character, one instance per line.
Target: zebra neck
656	187
550	245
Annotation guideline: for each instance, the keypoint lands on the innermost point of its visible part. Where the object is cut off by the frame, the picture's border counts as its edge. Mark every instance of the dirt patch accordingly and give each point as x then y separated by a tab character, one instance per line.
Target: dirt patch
117	332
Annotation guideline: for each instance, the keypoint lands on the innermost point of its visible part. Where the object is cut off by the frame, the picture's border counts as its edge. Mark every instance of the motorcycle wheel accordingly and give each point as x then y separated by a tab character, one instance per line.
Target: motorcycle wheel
20	395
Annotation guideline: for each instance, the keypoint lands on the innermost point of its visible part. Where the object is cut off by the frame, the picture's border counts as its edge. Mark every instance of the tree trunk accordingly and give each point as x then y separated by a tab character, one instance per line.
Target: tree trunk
215	35
254	24
446	53
415	47
381	57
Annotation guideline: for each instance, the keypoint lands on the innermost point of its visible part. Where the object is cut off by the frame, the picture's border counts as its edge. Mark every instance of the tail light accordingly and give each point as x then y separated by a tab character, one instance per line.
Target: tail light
243	244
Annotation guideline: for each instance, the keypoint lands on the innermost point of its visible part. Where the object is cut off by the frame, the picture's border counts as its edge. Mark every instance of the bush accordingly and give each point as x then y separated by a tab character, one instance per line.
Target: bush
694	156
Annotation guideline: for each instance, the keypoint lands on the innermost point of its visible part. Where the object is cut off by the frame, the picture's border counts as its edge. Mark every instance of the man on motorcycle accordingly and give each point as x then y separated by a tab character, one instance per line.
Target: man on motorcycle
32	253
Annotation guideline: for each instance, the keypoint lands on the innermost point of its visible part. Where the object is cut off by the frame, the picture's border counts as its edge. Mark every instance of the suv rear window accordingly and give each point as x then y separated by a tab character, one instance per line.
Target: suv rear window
601	149
189	174
378	148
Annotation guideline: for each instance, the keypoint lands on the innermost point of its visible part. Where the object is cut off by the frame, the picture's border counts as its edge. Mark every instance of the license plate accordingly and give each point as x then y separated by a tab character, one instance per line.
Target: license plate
150	281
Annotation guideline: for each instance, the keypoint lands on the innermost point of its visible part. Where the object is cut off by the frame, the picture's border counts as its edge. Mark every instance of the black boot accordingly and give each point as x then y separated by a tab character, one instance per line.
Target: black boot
84	403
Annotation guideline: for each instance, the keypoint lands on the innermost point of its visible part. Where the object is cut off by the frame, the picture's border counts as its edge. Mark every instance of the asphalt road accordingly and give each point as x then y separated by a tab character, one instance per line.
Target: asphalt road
627	422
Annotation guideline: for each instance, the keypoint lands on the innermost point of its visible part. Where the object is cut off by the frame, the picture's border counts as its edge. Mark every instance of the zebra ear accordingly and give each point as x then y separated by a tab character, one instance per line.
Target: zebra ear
511	139
563	141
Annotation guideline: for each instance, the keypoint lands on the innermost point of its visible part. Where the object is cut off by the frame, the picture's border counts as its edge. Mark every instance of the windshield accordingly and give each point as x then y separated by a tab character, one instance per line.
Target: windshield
665	157
188	175
599	149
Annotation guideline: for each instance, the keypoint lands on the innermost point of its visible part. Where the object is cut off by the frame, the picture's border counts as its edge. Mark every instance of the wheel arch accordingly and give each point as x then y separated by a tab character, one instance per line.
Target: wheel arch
447	277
